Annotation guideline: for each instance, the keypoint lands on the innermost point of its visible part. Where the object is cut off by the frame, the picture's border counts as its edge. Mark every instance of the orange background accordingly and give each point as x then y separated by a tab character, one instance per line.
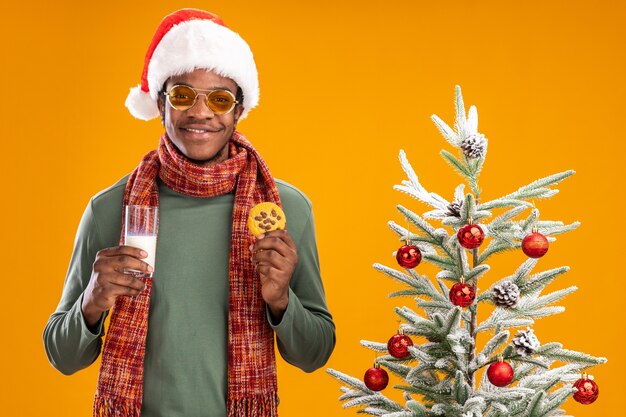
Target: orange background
344	86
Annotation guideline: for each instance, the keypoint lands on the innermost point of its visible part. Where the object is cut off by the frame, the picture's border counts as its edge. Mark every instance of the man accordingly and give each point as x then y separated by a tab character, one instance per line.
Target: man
196	339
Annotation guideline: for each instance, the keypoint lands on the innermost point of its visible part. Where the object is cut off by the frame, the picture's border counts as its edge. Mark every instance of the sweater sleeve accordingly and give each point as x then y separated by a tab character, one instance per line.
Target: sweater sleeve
306	333
69	343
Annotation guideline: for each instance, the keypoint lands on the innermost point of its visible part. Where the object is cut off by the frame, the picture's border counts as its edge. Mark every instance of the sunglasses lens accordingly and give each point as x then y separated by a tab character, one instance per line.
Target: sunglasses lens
220	101
181	97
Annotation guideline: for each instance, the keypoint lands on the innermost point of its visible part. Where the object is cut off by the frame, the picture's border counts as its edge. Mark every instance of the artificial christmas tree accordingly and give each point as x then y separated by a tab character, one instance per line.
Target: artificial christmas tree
520	376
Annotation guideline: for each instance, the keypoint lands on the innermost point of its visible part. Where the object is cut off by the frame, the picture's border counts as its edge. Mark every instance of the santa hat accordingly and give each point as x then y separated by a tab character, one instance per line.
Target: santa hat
186	40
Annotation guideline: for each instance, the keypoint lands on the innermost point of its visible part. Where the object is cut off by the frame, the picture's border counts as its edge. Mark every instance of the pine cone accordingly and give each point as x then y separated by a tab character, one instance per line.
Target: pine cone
474	146
454	208
505	294
526	342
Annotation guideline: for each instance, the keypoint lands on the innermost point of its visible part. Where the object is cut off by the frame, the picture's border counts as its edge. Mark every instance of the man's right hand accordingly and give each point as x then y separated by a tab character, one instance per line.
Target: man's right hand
108	280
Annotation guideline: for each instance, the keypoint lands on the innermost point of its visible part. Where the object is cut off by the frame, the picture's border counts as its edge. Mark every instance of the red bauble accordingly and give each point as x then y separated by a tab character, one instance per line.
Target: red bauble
470	236
462	294
500	374
588	391
376	378
398	346
535	245
409	256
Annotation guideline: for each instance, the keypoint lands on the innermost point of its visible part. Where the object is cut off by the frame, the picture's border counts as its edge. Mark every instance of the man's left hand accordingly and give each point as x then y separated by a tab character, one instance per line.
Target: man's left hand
275	256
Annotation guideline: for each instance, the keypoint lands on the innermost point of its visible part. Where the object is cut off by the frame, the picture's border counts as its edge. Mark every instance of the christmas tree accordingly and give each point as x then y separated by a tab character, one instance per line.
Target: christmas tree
439	370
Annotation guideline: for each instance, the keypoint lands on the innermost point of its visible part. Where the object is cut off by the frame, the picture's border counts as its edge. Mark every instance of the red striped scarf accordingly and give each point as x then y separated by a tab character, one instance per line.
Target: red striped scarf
252	388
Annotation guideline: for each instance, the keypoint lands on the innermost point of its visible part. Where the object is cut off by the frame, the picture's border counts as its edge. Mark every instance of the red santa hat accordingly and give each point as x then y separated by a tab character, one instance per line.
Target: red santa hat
186	40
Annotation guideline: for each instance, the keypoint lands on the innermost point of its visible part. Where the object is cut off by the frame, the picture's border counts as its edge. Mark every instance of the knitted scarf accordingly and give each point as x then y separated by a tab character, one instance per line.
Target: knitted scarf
252	388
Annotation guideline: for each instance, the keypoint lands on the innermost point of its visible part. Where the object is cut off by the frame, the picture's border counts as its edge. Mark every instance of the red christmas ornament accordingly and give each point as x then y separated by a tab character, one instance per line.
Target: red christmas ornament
535	245
500	373
462	294
376	378
588	390
409	256
470	236
398	346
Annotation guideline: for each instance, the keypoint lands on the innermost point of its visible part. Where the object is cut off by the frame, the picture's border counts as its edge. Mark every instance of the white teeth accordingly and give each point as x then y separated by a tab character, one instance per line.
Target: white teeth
196	130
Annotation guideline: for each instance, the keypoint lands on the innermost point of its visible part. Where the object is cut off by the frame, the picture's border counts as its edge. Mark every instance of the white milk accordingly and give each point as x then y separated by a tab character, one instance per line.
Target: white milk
147	243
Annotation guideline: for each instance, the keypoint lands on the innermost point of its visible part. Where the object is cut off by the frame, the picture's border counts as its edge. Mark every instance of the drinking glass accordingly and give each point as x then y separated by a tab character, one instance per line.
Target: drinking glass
140	231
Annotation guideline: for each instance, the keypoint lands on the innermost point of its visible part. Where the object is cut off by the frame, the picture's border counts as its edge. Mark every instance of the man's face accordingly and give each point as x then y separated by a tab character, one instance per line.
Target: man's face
199	133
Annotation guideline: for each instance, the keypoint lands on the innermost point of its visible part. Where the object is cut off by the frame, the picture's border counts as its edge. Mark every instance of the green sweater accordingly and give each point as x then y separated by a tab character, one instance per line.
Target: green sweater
186	348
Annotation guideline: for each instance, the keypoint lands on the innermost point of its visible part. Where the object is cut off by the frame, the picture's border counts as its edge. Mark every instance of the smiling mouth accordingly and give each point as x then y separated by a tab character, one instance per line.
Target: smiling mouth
193	130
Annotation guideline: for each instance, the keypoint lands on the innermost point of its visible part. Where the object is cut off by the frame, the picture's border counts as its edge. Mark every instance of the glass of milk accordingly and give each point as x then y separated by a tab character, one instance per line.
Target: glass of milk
140	231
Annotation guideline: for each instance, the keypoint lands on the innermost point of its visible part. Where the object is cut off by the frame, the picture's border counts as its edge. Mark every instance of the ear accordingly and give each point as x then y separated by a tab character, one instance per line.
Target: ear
161	101
237	112
161	106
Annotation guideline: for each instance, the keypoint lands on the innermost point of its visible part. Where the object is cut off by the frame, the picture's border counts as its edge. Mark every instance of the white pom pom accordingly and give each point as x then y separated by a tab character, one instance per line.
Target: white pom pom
141	105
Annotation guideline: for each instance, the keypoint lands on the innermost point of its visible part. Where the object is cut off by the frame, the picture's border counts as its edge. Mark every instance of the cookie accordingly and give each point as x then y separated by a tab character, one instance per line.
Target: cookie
265	217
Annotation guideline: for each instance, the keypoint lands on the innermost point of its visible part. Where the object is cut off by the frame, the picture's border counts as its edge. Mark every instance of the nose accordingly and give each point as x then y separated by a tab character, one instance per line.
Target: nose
200	109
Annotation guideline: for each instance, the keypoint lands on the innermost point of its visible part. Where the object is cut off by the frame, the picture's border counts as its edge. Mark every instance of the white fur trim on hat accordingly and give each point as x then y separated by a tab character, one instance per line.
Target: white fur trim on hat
141	105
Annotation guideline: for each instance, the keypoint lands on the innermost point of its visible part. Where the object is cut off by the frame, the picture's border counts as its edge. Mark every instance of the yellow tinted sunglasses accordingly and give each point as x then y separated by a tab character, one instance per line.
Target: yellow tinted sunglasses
183	97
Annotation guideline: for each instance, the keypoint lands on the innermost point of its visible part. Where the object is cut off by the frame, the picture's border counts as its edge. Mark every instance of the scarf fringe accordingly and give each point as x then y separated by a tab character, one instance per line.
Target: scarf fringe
257	406
115	407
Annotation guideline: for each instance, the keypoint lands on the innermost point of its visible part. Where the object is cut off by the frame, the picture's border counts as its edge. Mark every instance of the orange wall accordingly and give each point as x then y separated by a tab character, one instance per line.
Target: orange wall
344	86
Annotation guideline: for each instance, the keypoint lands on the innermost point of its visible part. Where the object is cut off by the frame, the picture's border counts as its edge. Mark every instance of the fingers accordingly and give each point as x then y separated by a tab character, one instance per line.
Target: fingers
111	278
121	258
277	240
124	262
268	273
278	234
111	290
111	266
123	250
268	257
127	280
